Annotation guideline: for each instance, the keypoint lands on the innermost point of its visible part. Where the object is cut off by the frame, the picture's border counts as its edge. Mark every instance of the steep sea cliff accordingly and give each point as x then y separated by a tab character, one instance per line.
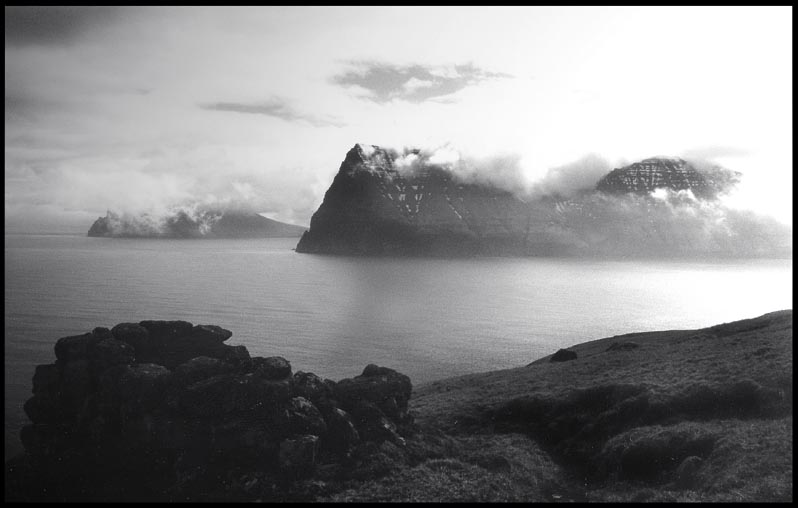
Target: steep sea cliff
383	202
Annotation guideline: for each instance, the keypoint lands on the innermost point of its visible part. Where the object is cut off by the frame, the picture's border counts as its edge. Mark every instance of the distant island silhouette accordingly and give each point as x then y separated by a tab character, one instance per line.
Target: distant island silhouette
183	224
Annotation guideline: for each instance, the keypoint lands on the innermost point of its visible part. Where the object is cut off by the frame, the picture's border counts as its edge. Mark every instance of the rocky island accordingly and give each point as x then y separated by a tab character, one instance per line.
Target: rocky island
197	224
166	411
378	204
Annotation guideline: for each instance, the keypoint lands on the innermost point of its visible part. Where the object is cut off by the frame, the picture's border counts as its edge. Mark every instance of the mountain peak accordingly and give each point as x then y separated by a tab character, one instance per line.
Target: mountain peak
389	202
365	150
671	173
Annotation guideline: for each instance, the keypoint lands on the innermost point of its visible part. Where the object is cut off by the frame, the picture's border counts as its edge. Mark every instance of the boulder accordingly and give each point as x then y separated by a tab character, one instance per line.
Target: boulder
304	418
373	370
137	336
230	393
171	359
45	408
342	436
373	425
102	332
200	368
142	387
246	438
76	384
108	352
46	378
109	398
74	347
391	408
377	385
313	388
273	367
45	441
235	354
157	432
210	333
563	355
165	330
171	343
297	455
179	350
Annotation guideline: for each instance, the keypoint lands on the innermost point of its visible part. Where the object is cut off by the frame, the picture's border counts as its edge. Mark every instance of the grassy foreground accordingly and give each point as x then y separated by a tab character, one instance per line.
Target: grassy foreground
687	415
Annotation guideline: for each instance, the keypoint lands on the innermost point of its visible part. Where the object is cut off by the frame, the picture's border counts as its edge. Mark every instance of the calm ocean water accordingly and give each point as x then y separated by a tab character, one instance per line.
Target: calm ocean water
428	318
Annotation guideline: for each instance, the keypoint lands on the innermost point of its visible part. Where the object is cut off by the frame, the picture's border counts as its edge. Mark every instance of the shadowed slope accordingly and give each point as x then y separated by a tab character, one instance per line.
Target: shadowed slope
632	420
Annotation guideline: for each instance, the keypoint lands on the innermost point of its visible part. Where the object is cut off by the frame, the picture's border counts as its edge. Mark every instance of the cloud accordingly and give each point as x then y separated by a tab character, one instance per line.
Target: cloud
414	84
501	171
385	82
276	107
54	25
570	179
82	134
714	152
674	223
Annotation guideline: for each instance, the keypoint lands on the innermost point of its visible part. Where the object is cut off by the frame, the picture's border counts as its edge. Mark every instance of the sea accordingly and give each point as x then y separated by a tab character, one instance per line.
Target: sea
333	315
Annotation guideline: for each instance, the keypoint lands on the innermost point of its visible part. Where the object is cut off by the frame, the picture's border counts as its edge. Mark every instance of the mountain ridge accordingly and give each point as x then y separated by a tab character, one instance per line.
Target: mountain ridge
671	173
382	202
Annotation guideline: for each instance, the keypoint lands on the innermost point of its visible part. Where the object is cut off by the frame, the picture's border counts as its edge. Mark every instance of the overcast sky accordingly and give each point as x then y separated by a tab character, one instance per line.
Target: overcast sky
145	107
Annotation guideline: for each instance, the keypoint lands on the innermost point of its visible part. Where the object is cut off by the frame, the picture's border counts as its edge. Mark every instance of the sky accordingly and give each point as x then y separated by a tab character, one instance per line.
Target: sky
143	108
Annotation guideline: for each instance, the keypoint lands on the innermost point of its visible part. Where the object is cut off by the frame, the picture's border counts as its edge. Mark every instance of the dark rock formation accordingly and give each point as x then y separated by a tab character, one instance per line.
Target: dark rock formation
341	431
275	367
298	456
164	410
377	401
374	208
377	204
563	355
667	173
204	224
312	387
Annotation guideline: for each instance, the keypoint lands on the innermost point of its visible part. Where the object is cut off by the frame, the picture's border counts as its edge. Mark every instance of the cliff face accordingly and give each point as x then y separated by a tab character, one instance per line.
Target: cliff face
675	174
377	206
204	224
372	207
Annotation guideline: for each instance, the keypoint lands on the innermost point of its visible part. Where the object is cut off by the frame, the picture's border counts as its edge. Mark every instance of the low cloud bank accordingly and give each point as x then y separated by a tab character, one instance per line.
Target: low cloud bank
666	223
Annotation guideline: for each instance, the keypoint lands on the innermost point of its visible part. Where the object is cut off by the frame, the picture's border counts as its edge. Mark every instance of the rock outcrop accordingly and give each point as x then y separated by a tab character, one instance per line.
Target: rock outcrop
377	204
164	410
198	224
674	174
563	355
615	425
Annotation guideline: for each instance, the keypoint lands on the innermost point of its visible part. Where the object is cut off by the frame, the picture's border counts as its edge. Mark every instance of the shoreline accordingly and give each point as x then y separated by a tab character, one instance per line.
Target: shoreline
687	398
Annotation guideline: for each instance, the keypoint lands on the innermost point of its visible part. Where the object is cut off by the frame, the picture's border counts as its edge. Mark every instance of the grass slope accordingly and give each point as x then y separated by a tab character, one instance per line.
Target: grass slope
686	415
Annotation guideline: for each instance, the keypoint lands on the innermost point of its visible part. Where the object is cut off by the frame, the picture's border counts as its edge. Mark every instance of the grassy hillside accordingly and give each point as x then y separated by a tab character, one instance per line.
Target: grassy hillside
687	415
683	415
